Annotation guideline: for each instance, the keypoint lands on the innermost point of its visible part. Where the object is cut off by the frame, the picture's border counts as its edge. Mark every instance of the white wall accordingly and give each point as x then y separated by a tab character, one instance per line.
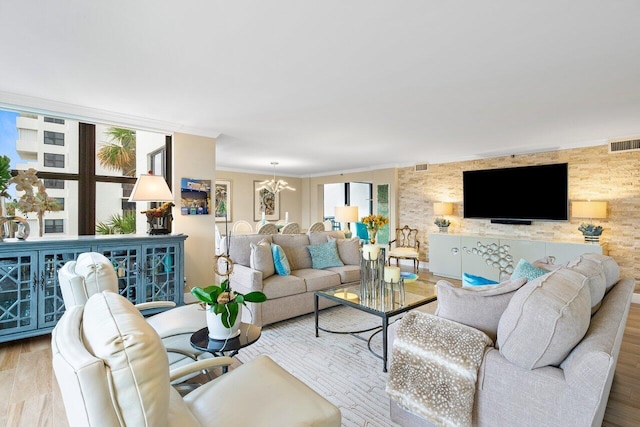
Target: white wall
194	157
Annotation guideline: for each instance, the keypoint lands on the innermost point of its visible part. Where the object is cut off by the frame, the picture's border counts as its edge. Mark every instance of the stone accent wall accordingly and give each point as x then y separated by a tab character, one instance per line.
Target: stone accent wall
593	174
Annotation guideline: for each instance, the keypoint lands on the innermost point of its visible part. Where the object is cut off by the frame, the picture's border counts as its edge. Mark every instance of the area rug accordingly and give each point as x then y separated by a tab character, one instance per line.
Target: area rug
339	367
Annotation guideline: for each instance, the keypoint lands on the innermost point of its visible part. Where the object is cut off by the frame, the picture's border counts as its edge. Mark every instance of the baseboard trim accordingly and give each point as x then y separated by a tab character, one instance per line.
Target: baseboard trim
635	298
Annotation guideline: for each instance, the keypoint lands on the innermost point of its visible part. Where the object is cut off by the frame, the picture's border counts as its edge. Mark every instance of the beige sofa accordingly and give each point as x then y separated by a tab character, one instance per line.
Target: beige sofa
292	295
547	368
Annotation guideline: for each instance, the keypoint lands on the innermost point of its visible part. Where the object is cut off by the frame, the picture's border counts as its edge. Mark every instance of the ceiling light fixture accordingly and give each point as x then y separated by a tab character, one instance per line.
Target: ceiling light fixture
274	186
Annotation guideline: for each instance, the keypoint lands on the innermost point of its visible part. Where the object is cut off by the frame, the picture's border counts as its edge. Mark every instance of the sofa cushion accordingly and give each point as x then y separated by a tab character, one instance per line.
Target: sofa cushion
280	261
295	246
348	273
525	269
609	266
595	278
317	237
317	280
545	319
239	248
348	250
136	361
261	258
478	306
324	255
282	286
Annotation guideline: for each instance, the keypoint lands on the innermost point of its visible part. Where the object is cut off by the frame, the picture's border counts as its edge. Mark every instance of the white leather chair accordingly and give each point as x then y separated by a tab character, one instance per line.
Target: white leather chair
316	226
242	227
112	371
92	273
291	228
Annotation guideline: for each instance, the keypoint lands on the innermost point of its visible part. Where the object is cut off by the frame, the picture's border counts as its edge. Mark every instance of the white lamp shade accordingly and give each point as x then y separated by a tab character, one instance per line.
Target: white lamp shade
443	208
151	188
346	213
589	209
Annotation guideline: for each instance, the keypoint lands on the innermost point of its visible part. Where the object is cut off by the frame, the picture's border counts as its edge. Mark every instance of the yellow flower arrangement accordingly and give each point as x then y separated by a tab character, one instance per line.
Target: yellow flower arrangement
374	222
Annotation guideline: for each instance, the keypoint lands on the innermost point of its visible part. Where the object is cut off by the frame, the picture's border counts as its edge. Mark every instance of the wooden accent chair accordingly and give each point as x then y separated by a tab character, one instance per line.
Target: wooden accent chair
407	246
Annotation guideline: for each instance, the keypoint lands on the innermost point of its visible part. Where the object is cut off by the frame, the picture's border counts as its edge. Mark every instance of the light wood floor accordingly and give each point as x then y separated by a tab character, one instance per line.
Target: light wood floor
29	394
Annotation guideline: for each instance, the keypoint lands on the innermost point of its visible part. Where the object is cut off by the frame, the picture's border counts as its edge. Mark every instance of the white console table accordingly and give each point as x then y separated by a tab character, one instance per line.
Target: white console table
450	255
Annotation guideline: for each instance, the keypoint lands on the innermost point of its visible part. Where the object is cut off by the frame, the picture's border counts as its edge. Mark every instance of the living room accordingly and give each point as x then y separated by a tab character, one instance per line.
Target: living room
406	96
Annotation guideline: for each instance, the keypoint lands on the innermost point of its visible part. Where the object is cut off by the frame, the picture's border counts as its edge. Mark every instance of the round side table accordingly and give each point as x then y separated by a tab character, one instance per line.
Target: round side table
248	335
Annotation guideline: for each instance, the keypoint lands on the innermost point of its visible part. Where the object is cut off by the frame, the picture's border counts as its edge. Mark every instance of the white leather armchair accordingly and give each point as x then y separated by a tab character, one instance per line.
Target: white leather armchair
112	371
92	273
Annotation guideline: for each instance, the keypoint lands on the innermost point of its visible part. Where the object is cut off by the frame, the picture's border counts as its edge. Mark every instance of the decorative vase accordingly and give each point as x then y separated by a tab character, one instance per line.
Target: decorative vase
217	331
444	229
372	234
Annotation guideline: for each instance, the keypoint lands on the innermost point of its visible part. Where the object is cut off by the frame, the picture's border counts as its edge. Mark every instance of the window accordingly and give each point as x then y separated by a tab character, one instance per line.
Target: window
53	226
54	138
358	194
60	202
54	160
54	120
54	183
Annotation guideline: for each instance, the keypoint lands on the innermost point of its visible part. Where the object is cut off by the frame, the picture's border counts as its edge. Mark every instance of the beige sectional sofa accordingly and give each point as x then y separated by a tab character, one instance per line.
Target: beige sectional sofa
558	340
291	295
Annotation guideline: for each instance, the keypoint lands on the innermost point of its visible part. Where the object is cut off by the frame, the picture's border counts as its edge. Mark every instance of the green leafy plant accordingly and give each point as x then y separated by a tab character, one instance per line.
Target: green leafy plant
590	229
5	175
224	301
118	224
442	222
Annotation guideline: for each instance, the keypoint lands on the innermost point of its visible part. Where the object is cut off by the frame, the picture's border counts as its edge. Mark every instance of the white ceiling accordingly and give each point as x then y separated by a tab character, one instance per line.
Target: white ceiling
330	86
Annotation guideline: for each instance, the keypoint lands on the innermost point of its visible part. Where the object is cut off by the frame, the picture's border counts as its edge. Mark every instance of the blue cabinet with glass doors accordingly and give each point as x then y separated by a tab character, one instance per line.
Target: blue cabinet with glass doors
149	268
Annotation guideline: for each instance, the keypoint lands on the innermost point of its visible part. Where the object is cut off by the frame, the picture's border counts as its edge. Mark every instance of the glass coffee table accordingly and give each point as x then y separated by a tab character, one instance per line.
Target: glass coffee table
384	308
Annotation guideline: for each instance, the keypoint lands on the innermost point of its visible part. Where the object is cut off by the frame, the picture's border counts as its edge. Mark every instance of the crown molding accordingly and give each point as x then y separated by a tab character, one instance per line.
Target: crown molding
37	105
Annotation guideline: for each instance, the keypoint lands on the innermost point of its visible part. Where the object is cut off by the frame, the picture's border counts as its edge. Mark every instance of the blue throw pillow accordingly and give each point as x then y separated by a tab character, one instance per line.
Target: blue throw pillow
280	261
325	255
471	280
526	269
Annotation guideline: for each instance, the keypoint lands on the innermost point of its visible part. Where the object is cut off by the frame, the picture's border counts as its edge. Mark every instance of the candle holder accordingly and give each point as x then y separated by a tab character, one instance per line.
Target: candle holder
371	276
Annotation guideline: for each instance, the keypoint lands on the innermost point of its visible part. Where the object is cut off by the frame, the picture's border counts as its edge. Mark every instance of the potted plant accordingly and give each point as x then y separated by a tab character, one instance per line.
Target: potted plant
224	308
374	223
590	232
443	224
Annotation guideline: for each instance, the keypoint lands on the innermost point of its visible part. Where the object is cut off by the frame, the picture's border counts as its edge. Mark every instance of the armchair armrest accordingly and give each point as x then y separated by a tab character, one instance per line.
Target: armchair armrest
245	279
200	365
155	304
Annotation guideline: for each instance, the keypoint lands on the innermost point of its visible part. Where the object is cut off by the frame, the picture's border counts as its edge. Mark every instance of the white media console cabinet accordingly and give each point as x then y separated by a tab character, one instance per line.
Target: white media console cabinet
450	255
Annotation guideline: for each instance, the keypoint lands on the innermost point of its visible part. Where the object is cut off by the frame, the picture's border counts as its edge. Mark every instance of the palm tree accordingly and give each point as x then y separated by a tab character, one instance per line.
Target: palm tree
120	152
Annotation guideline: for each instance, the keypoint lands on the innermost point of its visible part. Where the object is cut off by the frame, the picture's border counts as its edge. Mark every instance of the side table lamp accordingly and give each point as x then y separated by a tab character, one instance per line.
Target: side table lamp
154	188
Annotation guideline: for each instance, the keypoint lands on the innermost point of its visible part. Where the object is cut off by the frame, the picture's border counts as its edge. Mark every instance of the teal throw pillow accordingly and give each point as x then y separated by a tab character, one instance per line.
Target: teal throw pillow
325	255
280	261
471	280
526	269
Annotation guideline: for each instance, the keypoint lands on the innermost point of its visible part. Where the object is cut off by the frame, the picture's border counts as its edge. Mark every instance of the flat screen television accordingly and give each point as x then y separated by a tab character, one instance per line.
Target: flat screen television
517	195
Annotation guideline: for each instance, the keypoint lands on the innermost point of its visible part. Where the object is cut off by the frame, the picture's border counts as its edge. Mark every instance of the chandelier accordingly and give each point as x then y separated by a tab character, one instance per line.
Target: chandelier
274	186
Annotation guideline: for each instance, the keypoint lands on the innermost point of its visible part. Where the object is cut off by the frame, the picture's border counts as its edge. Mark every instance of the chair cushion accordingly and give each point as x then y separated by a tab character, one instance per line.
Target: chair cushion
545	319
325	255
115	331
479	306
280	261
404	253
261	258
609	266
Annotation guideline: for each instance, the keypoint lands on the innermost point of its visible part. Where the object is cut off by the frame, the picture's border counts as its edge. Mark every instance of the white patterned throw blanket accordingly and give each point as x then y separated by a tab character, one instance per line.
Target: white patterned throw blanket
434	368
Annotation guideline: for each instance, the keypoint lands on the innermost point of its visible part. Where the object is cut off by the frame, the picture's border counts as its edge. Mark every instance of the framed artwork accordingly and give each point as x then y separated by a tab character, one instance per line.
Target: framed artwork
267	202
195	196
223	201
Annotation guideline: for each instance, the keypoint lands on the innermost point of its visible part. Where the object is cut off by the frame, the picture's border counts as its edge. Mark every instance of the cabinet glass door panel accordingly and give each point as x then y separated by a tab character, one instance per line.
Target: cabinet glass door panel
51	305
128	269
17	292
161	279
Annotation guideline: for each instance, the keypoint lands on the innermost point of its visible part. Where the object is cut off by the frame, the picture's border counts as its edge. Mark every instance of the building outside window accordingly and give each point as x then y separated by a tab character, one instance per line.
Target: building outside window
54	120
54	138
60	202
54	183
53	226
54	160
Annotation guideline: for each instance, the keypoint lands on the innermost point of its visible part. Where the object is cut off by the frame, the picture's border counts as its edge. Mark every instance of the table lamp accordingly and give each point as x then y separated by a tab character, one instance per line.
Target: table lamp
590	210
346	214
154	188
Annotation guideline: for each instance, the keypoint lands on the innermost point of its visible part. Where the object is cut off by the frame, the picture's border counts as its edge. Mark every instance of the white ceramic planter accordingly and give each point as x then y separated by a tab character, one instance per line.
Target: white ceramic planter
217	331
